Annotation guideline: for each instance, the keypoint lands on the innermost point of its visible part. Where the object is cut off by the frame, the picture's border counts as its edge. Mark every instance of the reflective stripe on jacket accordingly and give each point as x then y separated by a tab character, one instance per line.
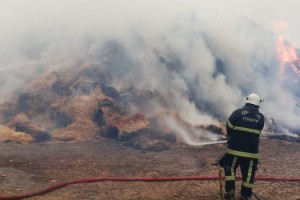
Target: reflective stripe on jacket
243	129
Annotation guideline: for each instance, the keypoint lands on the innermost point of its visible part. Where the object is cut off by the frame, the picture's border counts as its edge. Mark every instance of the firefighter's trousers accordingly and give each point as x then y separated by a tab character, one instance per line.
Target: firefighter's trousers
248	168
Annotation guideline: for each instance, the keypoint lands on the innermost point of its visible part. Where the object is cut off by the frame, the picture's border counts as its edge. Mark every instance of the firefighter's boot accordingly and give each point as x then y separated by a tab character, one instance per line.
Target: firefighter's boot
230	195
245	198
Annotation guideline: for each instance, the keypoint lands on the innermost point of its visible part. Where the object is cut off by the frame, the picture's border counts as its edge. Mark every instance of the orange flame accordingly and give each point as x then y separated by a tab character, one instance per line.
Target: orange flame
287	55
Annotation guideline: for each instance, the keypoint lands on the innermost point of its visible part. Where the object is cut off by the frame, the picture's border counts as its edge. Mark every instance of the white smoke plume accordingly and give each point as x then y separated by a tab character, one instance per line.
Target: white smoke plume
195	137
203	66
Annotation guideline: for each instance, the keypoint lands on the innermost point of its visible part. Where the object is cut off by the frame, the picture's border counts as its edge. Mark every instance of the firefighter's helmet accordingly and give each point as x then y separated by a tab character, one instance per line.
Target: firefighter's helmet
253	99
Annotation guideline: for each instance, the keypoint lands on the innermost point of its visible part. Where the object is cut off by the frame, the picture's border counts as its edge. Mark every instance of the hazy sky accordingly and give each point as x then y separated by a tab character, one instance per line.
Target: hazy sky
265	12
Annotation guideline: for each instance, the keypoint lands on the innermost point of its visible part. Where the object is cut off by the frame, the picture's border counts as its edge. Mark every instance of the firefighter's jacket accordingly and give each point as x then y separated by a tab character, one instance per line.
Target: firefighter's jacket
243	130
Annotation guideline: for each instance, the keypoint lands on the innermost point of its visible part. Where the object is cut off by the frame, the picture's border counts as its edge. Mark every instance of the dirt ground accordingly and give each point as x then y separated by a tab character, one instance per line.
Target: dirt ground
28	168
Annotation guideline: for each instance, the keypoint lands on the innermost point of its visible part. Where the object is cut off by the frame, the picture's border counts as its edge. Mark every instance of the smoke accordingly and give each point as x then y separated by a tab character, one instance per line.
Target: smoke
194	137
202	66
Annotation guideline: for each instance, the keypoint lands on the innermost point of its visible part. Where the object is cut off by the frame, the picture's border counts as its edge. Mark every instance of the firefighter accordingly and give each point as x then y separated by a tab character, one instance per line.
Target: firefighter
243	131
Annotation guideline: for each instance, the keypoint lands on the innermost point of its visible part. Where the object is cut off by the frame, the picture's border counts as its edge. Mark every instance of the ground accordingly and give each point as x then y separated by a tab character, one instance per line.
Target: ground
31	167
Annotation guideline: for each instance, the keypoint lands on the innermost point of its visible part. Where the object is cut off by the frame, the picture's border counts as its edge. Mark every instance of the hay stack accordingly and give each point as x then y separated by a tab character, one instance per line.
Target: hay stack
131	124
78	131
80	105
20	118
9	135
21	123
82	127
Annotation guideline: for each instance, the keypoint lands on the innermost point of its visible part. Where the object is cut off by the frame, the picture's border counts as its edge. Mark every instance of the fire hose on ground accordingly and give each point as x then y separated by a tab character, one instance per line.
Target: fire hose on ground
148	179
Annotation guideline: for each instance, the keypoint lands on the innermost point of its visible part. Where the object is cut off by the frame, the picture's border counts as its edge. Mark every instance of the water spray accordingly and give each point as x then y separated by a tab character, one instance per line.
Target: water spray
208	143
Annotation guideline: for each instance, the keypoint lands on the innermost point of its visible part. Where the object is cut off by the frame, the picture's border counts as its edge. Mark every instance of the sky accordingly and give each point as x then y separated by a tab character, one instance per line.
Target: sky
266	13
224	49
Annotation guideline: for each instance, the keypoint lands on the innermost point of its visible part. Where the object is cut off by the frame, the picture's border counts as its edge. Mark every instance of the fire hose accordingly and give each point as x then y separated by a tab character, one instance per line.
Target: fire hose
148	179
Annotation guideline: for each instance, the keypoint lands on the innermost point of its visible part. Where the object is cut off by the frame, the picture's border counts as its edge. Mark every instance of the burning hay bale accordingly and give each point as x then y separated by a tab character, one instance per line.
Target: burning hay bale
82	105
38	96
35	130
24	102
6	112
61	87
124	126
149	139
285	138
72	105
60	118
130	124
135	131
20	118
98	117
110	132
79	131
215	129
84	116
110	91
79	113
11	136
21	124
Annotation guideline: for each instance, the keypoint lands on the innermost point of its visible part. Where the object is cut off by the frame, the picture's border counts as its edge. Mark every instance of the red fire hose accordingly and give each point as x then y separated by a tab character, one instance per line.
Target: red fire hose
153	179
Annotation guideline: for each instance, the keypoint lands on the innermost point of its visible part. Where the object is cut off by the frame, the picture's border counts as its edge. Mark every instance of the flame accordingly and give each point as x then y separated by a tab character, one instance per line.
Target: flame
287	55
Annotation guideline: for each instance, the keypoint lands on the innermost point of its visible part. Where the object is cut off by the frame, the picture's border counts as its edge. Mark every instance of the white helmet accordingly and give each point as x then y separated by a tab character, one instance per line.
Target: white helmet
253	99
